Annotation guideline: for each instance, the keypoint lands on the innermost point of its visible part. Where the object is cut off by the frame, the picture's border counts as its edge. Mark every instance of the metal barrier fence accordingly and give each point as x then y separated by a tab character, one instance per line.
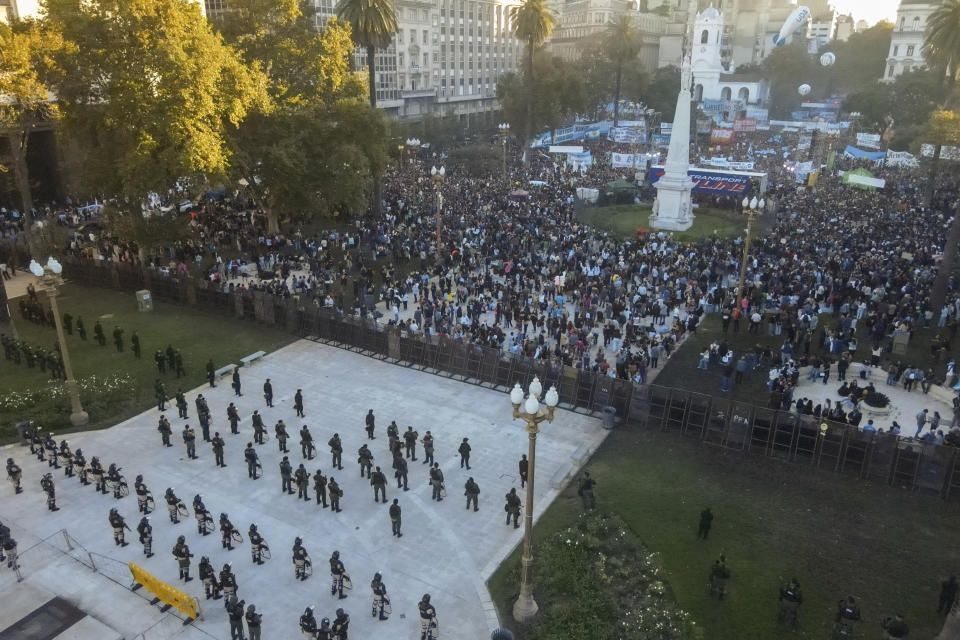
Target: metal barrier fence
729	426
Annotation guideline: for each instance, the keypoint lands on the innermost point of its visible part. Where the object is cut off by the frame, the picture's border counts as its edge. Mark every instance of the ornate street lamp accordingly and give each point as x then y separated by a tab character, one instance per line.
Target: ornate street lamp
51	279
533	413
751	208
504	128
437	176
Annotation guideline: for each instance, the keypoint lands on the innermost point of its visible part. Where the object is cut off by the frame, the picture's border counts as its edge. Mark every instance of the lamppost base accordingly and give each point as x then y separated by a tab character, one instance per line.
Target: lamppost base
80	419
524	609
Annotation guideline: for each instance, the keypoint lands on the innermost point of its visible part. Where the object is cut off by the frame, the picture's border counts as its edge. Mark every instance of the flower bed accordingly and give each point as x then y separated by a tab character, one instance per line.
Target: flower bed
596	580
49	406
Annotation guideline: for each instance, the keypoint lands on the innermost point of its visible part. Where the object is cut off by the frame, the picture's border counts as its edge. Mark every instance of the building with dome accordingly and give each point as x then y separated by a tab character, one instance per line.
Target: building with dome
716	79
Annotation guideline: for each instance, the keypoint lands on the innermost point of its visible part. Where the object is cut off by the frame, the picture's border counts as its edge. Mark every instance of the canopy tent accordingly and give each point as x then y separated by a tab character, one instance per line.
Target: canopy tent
863	179
619	185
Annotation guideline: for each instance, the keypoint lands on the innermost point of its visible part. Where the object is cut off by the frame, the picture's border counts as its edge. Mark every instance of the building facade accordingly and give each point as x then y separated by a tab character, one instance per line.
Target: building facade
713	77
445	59
906	43
11	10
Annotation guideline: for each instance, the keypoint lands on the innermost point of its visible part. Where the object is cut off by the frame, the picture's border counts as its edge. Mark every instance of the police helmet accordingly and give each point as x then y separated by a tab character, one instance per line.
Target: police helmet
139	478
339	612
226	567
253	527
377	576
113	510
9	460
309	610
336	554
204	559
181	540
426	597
298	540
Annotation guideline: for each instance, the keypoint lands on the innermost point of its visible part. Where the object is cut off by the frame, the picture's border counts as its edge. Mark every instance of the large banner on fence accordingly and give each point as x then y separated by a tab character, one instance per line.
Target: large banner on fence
622	134
712	182
745	125
185	604
853	152
868	140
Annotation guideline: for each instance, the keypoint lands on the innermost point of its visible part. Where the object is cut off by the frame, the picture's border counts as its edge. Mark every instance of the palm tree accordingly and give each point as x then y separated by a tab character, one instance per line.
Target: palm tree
941	42
623	45
532	22
373	22
941	48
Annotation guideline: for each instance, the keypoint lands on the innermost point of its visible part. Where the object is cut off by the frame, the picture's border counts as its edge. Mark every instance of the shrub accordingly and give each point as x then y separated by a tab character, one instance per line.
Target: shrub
877	400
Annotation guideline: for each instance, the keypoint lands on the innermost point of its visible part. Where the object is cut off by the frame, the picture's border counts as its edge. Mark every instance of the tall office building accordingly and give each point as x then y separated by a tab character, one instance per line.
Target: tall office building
580	20
445	59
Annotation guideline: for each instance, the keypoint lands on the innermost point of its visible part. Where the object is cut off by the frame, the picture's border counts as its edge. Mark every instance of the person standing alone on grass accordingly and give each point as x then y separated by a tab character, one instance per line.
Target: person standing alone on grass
706	521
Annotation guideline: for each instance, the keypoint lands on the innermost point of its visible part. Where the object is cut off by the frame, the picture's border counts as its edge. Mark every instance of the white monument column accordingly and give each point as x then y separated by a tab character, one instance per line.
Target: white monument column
671	209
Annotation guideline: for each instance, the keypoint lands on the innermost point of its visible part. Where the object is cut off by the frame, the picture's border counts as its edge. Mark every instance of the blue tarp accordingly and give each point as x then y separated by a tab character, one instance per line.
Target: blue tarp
854	152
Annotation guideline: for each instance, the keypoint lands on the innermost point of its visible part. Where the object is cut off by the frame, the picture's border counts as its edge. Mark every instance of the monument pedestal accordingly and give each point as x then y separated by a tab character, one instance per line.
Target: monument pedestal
673	200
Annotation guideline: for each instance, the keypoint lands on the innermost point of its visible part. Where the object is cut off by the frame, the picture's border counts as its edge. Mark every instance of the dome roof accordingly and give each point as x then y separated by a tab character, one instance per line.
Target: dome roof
710	14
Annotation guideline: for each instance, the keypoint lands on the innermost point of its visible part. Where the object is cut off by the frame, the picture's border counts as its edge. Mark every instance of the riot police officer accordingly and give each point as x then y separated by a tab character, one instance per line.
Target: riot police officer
145	531
257	544
209	577
380	599
14	474
118	524
182	553
300	560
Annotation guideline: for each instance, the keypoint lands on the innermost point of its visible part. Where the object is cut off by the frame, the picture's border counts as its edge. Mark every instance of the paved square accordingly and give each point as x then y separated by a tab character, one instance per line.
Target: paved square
445	550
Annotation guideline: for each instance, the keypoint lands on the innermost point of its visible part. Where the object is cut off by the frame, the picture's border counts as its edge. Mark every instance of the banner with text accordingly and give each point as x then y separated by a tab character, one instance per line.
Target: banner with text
868	140
631	136
721	136
712	182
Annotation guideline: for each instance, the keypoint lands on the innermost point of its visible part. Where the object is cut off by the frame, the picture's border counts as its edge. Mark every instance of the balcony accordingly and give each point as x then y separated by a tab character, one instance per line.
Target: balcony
419	93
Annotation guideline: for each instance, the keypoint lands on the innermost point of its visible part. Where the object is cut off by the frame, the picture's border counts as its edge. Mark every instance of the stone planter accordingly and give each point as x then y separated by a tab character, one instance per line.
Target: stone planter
874	412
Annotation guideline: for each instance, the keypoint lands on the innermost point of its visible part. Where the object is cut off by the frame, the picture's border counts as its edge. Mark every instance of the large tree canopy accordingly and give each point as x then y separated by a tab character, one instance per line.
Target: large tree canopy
150	92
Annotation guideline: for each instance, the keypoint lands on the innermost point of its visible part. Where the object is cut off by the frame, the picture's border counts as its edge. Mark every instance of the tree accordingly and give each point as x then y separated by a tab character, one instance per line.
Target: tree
944	128
623	45
559	95
860	61
28	67
904	104
149	93
941	42
787	67
533	22
295	159
373	23
661	93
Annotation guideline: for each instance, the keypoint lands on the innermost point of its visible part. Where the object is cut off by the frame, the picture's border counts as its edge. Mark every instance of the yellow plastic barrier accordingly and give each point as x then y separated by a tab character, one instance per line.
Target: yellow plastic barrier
187	605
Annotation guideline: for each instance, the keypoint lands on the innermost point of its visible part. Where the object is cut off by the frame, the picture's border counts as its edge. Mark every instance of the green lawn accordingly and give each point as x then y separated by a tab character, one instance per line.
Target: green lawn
681	369
836	535
198	336
623	220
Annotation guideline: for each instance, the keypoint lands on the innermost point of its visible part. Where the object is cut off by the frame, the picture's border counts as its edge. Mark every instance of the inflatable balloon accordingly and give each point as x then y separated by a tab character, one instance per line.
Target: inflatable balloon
794	21
828	59
803	89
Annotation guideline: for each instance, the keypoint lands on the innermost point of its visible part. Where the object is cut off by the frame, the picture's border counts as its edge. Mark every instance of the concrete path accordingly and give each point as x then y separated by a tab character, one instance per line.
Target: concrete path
445	550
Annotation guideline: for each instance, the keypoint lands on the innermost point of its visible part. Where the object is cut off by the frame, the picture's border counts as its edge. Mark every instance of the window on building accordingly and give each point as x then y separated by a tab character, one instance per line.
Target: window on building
704	37
399	36
910	51
426	37
413	36
400	59
890	71
426	59
896	50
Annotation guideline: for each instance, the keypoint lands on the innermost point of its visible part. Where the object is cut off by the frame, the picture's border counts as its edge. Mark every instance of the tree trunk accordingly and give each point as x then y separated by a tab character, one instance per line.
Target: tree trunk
530	96
932	176
616	99
939	294
372	79
372	75
19	142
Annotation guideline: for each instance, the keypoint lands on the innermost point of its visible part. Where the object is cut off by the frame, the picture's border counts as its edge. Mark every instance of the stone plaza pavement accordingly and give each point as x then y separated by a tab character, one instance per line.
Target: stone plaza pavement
445	549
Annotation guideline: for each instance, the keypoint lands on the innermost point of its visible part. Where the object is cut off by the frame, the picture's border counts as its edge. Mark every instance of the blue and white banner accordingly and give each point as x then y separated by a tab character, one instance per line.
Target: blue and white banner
853	152
630	136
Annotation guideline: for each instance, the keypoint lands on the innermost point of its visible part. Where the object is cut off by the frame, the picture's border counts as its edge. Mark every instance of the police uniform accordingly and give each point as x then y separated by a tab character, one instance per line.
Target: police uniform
428	617
253	461
298	403
145	532
209	577
118	524
302	478
281	432
365	460
472	491
228	583
286	474
436	481
410	443
320	488
173	504
226	532
335	494
233	417
308	624
257	544
140	488
380	599
523	466
259	430
306	443
236	381
268	392
13	475
254	620
513	507
340	624
182	553
370	423
379	482
202	515
163	426
218	444
337	572
395	513
427	448
464	452
80	463
181	401
190	440
67	457
336	451
400	464
46	483
300	560
97	470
